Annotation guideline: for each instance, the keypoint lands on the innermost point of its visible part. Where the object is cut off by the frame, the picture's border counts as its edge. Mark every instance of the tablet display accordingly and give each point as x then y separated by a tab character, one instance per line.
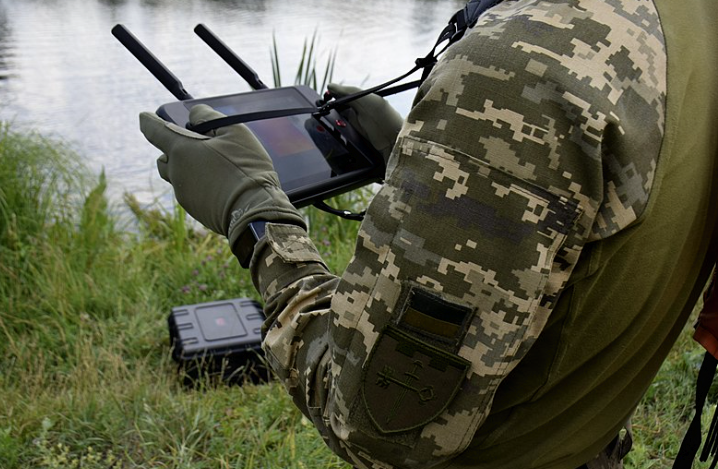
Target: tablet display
308	156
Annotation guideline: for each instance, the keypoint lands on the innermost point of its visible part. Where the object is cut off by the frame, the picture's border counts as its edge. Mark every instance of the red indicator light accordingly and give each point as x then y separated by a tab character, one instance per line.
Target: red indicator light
340	123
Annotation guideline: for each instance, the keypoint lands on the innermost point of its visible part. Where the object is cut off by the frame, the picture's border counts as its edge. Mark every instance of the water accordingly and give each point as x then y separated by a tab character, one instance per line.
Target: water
63	74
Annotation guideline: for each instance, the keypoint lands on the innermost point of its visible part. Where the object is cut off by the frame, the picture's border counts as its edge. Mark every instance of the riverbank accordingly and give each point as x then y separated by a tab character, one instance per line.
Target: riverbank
85	374
86	379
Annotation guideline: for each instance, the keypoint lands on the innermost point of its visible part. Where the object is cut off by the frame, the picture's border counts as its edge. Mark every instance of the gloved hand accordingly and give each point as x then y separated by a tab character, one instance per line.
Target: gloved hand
225	181
374	118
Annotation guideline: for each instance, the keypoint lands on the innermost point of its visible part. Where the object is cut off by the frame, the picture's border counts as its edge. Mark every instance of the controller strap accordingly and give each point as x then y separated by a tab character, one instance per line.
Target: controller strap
204	127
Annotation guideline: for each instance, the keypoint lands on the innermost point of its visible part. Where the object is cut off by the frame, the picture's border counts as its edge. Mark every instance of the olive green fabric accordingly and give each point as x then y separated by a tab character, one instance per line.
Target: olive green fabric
624	308
224	180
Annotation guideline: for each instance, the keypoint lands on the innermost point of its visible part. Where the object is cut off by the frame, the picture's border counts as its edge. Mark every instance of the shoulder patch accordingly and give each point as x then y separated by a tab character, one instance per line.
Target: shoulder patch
407	383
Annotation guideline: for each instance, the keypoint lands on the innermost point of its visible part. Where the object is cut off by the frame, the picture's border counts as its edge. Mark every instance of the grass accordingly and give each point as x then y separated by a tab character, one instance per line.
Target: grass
661	419
85	374
306	73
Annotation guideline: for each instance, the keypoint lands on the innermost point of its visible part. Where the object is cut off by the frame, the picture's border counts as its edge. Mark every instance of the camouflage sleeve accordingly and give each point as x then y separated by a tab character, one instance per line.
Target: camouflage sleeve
535	134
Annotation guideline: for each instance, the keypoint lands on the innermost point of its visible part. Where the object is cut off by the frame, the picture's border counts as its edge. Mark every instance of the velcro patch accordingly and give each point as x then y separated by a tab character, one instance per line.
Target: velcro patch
407	383
291	243
432	316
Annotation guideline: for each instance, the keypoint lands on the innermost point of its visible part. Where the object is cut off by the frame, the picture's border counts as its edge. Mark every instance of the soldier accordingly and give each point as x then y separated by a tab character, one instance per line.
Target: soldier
540	240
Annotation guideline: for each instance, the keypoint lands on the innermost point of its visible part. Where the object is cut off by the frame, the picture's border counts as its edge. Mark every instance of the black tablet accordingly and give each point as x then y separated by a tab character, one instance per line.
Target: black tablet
315	157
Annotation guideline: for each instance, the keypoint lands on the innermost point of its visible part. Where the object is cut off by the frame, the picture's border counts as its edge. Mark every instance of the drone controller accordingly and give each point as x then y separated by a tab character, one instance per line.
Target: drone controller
316	155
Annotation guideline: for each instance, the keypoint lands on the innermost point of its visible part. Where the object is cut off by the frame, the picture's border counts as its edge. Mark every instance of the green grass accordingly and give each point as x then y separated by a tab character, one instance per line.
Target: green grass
85	374
661	419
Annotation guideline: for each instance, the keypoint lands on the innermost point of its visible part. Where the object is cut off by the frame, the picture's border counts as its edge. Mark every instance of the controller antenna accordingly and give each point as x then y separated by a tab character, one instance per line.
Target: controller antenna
228	55
151	63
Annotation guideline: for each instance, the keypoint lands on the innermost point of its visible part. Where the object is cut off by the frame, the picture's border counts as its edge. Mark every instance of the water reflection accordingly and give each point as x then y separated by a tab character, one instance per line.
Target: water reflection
424	14
5	46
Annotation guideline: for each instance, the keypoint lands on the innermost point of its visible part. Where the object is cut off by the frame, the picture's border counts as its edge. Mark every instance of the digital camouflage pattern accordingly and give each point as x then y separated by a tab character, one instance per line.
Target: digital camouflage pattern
536	133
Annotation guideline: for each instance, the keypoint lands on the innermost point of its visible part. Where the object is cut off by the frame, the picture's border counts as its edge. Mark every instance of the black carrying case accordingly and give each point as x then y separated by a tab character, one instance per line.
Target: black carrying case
219	339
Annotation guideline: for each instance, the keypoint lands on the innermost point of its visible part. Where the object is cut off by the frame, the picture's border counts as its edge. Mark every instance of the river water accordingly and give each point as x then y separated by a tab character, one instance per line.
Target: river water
63	74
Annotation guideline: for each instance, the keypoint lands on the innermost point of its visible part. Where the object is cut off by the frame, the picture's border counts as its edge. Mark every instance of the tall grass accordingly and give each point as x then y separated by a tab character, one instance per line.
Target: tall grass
85	374
306	73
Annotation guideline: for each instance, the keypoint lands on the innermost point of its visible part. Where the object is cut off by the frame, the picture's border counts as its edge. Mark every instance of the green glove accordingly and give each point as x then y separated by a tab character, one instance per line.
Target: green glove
226	180
374	118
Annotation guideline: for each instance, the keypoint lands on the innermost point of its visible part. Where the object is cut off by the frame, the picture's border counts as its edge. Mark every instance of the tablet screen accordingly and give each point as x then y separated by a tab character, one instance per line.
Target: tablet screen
313	160
303	150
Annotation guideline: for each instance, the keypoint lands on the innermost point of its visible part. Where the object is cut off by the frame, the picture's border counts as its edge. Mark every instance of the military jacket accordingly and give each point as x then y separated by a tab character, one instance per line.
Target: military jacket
532	254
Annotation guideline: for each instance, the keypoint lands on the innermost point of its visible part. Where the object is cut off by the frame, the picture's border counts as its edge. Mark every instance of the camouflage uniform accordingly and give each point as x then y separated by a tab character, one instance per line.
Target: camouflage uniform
530	259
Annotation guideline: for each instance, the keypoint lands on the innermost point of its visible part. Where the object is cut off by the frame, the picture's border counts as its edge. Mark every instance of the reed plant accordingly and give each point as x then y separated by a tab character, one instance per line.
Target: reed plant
307	69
